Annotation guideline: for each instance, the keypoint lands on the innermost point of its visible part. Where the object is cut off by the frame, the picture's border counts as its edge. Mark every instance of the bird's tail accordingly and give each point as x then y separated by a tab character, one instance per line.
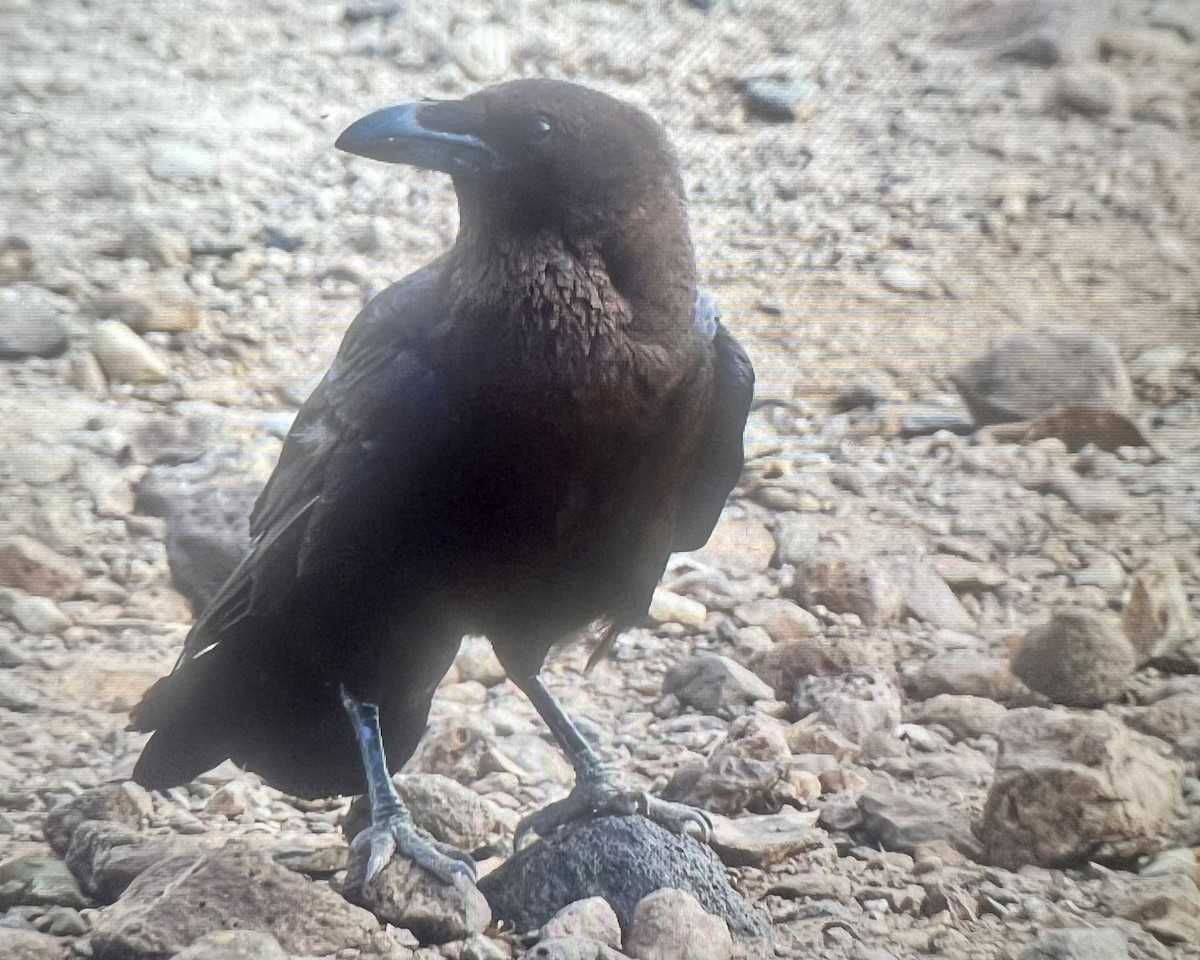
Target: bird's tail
193	727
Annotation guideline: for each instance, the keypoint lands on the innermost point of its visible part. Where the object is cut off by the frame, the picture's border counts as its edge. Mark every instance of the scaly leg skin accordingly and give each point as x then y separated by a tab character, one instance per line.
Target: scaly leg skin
596	791
392	830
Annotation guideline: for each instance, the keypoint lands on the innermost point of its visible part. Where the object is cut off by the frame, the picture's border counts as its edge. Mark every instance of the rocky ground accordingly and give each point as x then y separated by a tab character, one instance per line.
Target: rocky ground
937	675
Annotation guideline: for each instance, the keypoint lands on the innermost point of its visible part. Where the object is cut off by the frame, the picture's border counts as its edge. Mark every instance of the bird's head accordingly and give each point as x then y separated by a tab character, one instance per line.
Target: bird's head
530	150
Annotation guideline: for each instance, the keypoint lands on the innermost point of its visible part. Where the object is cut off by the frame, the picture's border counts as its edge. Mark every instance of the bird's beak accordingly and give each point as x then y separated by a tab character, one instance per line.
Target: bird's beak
435	135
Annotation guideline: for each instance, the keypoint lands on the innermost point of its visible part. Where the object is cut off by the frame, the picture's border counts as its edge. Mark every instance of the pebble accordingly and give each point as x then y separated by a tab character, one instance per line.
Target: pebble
1090	90
903	279
32	323
781	100
175	161
669	607
124	356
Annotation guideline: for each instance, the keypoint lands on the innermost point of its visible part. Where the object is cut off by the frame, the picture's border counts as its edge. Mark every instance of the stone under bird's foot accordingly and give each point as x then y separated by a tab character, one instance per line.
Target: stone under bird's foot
396	835
598	796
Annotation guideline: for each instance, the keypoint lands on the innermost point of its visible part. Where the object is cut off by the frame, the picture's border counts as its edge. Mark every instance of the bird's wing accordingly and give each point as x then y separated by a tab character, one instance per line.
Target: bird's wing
375	414
718	461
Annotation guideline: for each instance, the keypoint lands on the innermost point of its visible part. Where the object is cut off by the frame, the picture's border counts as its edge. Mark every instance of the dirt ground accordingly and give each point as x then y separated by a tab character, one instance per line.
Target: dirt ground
951	174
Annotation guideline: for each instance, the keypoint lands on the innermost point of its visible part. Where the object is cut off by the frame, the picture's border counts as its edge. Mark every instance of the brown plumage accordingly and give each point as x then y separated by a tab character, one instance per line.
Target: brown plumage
511	442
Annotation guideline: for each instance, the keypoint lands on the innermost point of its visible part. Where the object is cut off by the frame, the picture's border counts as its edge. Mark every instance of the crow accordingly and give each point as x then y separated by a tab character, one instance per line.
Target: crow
511	442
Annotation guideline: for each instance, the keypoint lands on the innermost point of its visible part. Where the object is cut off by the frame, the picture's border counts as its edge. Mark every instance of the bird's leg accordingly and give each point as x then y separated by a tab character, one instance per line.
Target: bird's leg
392	830
596	791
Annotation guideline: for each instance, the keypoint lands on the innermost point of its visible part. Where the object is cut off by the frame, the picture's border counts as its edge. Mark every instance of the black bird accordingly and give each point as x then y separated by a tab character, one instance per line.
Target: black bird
511	442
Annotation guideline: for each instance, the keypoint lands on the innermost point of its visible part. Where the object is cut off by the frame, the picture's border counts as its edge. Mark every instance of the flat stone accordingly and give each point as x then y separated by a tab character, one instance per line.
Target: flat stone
964	716
1175	719
1167	907
785	664
176	902
925	596
761	840
782	619
900	822
739	545
714	684
1078	943
1030	374
38	881
968	672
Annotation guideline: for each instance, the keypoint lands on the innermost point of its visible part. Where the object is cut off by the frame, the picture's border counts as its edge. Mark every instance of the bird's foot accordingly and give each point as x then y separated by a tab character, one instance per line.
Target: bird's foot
598	795
395	834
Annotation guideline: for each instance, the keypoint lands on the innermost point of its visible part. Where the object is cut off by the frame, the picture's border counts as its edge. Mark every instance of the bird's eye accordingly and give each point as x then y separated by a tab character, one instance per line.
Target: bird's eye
541	129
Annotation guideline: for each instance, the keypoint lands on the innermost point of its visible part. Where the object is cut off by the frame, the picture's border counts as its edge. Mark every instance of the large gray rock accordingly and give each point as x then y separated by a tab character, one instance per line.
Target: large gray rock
1080	658
621	859
1070	787
176	902
1029	375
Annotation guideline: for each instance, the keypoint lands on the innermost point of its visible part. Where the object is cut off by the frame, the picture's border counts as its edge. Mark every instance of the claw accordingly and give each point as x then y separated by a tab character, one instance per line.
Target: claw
398	835
677	817
600	797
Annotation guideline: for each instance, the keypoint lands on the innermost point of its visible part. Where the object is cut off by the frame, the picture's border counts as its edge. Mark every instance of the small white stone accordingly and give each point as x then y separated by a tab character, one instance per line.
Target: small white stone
668	607
124	356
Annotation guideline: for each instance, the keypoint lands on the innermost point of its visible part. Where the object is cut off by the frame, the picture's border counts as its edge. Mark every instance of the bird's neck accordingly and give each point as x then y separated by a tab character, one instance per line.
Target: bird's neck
580	317
583	278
